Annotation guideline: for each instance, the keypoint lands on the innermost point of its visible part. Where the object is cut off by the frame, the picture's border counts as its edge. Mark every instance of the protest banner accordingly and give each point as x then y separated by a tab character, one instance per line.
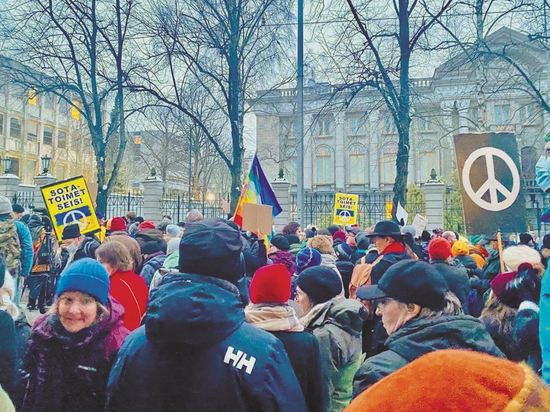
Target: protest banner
345	209
257	218
69	202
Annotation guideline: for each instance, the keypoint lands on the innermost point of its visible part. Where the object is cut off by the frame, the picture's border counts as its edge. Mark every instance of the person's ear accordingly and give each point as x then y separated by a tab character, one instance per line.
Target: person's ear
413	309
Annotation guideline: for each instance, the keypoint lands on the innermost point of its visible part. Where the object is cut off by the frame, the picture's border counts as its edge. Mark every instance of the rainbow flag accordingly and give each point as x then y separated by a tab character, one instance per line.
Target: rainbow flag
256	190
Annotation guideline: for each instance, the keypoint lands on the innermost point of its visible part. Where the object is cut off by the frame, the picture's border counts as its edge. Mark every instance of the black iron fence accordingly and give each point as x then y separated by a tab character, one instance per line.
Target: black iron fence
118	204
177	204
25	199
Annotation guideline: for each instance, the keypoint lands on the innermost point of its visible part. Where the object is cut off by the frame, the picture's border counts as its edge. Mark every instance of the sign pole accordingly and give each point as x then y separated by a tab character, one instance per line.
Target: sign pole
499	241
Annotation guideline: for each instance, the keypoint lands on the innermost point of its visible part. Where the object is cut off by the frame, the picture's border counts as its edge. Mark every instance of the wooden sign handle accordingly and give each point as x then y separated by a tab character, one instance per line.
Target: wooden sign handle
499	240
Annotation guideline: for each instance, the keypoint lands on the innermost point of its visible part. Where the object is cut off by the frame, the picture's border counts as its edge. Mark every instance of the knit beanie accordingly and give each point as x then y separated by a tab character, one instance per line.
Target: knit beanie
270	284
343	251
440	248
460	248
173	230
513	256
320	283
339	235
5	205
280	242
362	241
117	224
148	224
173	245
86	276
292	239
307	258
456	380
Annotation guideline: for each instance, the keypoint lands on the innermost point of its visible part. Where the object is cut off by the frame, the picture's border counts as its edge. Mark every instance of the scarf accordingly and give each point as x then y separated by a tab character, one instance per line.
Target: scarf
394	247
272	318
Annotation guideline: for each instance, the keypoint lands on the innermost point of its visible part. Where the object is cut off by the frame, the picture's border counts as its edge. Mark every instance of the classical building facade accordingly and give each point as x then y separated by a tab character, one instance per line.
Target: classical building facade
32	126
351	144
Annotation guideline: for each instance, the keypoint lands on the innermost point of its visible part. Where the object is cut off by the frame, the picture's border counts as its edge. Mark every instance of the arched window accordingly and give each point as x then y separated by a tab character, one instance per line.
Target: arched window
387	164
324	165
290	170
428	159
357	164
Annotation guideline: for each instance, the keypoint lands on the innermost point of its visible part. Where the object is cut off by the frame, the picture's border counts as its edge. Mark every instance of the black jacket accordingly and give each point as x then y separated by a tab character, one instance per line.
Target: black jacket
419	337
302	349
196	353
380	268
457	279
345	268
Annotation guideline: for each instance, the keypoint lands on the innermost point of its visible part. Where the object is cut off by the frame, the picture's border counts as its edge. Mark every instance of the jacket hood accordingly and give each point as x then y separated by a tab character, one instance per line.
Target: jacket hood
421	336
192	310
347	314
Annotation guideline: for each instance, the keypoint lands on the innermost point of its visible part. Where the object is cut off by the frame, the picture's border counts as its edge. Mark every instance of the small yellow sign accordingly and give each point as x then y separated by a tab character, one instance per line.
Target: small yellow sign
69	202
75	110
345	209
32	97
389	207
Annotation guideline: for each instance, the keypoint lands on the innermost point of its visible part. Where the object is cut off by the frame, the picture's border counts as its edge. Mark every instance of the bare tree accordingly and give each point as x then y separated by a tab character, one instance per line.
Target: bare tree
225	47
76	50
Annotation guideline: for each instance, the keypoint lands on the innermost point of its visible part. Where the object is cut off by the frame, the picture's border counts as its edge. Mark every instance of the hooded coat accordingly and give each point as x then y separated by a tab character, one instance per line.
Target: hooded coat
196	353
420	336
338	328
69	373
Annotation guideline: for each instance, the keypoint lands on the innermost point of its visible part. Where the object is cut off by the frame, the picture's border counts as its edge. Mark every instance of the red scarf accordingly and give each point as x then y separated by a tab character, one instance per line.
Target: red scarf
394	247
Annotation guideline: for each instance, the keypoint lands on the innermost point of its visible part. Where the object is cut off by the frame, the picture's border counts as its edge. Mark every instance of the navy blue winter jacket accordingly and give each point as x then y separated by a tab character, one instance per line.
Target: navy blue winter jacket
196	353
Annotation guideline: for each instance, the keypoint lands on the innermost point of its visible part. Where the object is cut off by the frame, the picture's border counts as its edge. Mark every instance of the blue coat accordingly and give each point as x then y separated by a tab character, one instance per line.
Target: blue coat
196	353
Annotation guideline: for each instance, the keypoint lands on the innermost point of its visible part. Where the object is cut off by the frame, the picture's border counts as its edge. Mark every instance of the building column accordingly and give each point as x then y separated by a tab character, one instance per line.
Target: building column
40	181
281	188
152	198
309	153
339	152
434	191
9	185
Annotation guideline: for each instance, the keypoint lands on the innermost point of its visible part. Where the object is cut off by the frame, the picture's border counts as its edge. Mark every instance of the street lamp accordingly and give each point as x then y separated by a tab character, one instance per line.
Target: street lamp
46	160
7	165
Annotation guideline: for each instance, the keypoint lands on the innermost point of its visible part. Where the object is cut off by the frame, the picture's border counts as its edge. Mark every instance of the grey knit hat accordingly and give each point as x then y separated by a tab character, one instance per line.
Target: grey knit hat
5	205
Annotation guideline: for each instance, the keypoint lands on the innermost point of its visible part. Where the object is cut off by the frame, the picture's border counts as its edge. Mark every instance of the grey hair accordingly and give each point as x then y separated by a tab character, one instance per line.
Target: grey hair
452	307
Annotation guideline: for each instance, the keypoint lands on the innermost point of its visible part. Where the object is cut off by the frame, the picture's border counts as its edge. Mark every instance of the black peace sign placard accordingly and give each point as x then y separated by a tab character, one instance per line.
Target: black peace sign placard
489	171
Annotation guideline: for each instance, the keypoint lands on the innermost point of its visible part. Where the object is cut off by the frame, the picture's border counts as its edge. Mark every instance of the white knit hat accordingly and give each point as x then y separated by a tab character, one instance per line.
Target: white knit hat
514	256
5	205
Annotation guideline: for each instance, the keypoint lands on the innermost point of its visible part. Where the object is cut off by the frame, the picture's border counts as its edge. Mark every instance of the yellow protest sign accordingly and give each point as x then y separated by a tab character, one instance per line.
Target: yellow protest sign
345	209
69	202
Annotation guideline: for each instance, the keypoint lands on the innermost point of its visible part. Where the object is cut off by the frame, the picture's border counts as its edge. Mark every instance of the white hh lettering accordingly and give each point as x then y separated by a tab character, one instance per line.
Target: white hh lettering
239	359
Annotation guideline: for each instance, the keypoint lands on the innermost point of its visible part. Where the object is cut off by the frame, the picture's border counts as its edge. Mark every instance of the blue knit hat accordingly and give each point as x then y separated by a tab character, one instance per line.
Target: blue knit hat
85	276
306	258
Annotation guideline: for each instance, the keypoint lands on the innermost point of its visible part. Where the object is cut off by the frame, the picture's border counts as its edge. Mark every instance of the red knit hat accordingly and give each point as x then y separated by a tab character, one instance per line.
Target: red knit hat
148	224
118	223
270	284
440	248
339	234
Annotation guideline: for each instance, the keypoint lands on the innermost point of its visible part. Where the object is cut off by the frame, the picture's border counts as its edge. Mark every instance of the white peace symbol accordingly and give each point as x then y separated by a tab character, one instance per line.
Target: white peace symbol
344	216
492	184
73	215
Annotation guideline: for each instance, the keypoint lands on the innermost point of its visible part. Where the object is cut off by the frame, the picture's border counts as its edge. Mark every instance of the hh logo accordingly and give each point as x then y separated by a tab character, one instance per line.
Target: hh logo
239	359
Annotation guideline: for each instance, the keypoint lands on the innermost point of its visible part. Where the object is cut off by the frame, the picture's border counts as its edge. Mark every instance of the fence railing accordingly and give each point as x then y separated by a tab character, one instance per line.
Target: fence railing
177	204
25	199
118	204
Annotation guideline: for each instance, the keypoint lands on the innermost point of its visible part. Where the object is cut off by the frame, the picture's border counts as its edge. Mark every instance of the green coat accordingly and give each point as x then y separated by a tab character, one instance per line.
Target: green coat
338	329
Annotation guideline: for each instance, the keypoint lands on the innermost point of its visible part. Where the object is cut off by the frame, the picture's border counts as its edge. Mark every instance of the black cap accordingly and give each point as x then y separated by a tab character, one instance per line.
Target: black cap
292	239
409	281
18	208
320	283
70	232
280	242
386	228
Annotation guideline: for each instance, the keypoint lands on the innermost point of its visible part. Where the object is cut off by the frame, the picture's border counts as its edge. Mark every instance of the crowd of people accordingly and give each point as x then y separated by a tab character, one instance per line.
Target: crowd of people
203	316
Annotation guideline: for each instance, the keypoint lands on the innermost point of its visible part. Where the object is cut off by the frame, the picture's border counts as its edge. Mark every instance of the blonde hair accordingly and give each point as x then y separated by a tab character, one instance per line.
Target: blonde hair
115	254
322	243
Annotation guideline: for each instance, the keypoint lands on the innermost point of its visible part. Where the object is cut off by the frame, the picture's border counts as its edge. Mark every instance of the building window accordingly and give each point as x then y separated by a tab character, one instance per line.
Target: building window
526	114
428	161
388	165
14	166
48	133
64	106
1	124
30	171
324	166
356	125
290	170
60	172
324	127
74	143
389	125
502	114
15	128
288	126
32	132
49	100
426	123
62	140
357	162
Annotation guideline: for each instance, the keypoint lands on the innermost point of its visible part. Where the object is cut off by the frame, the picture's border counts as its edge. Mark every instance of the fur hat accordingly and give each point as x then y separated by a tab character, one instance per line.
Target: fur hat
306	258
270	284
86	276
435	382
320	283
513	256
440	248
118	223
322	243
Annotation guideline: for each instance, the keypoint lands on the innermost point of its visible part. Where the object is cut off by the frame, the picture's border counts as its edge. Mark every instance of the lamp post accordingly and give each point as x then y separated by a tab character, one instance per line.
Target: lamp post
7	165
46	160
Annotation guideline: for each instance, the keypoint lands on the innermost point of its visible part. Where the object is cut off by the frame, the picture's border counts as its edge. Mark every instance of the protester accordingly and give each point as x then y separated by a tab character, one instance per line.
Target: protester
456	380
279	252
18	211
338	237
323	244
420	315
364	248
295	245
269	310
119	234
74	344
336	322
9	347
343	264
293	228
170	264
449	236
75	246
193	216
125	286
526	239
195	349
456	277
306	258
153	250
172	231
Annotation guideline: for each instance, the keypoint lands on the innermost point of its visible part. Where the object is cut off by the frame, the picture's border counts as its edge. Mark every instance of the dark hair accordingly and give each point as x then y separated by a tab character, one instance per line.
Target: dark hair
333	229
291	228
